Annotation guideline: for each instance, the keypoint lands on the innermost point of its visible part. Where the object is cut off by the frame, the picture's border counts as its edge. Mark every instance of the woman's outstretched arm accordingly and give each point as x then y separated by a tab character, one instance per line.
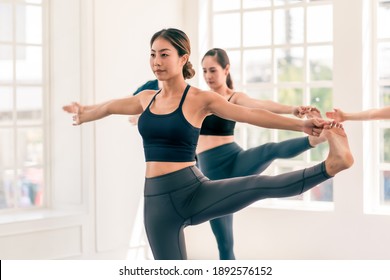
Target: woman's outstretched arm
219	106
124	106
275	107
371	114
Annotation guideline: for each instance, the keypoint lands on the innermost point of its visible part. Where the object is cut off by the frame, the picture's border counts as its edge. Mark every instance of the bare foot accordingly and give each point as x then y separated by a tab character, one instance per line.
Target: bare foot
340	156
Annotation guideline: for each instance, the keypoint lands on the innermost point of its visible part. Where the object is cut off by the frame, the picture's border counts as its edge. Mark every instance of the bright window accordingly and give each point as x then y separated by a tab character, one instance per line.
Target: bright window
22	99
382	99
283	51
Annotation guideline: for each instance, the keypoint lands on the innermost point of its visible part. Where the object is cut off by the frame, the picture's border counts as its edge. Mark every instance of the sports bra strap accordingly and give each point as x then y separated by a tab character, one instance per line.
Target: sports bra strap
154	97
184	96
232	95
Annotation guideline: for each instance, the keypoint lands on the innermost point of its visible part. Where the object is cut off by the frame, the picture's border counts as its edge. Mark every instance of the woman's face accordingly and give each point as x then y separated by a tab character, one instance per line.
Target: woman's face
213	73
165	60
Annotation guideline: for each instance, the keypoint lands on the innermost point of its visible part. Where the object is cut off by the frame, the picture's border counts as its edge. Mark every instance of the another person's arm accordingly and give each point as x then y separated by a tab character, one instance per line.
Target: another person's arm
371	114
260	117
275	107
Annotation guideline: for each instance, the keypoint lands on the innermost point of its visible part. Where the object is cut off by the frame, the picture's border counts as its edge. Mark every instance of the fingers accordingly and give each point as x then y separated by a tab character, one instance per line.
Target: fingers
72	108
333	124
310	112
76	120
330	115
316	131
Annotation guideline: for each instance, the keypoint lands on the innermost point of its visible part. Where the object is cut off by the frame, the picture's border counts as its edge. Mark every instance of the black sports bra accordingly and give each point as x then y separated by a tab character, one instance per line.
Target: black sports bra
214	125
168	137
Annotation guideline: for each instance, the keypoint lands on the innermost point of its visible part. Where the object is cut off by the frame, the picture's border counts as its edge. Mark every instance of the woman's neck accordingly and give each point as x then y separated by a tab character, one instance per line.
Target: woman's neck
173	86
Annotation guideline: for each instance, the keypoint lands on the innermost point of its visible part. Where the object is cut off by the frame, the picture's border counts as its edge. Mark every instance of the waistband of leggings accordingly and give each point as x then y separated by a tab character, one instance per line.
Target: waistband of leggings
173	181
225	148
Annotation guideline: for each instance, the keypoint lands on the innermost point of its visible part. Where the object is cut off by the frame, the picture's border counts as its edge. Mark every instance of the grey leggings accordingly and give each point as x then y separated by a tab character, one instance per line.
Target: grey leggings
186	197
229	161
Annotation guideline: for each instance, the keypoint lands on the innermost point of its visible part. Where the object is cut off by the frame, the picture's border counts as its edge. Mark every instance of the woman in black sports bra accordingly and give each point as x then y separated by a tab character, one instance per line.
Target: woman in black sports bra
220	157
176	193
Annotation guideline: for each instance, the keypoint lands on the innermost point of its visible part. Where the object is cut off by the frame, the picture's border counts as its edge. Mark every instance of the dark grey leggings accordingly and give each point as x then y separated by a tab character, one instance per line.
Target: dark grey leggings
229	161
186	197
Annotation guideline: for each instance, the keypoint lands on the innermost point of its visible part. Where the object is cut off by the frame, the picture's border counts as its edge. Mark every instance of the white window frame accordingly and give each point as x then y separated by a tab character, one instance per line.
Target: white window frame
373	191
305	203
44	85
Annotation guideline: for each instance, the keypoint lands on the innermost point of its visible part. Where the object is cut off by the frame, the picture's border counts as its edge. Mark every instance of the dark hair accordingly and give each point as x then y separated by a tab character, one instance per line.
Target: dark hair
223	61
181	43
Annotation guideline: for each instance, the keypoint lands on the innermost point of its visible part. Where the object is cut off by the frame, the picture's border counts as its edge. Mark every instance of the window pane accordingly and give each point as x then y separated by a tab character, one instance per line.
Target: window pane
5	22
6	66
261	94
384	61
30	147
385	186
247	4
288	134
384	93
257	136
290	96
7	193
383	19
29	24
290	64
257	66
319	24
226	32
235	69
29	103
30	161
30	186
288	26
224	5
6	149
322	99
321	63
293	97
6	105
29	64
257	28
320	152
385	145
323	191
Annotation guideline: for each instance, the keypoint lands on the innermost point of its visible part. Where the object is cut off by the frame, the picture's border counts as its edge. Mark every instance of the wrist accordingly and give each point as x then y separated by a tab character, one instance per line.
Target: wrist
293	109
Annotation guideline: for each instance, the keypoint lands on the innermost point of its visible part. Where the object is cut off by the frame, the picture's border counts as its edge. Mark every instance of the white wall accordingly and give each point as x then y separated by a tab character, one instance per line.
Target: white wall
99	51
123	30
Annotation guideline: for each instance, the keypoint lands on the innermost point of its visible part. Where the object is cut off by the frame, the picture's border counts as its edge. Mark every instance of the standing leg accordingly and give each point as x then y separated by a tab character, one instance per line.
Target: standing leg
164	228
223	231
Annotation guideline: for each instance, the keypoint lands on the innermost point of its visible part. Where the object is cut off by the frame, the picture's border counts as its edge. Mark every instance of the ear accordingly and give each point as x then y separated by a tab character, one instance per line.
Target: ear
184	59
227	69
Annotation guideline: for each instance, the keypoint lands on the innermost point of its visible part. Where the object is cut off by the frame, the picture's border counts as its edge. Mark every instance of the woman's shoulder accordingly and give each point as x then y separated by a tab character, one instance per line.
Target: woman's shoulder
202	93
145	96
147	93
238	95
